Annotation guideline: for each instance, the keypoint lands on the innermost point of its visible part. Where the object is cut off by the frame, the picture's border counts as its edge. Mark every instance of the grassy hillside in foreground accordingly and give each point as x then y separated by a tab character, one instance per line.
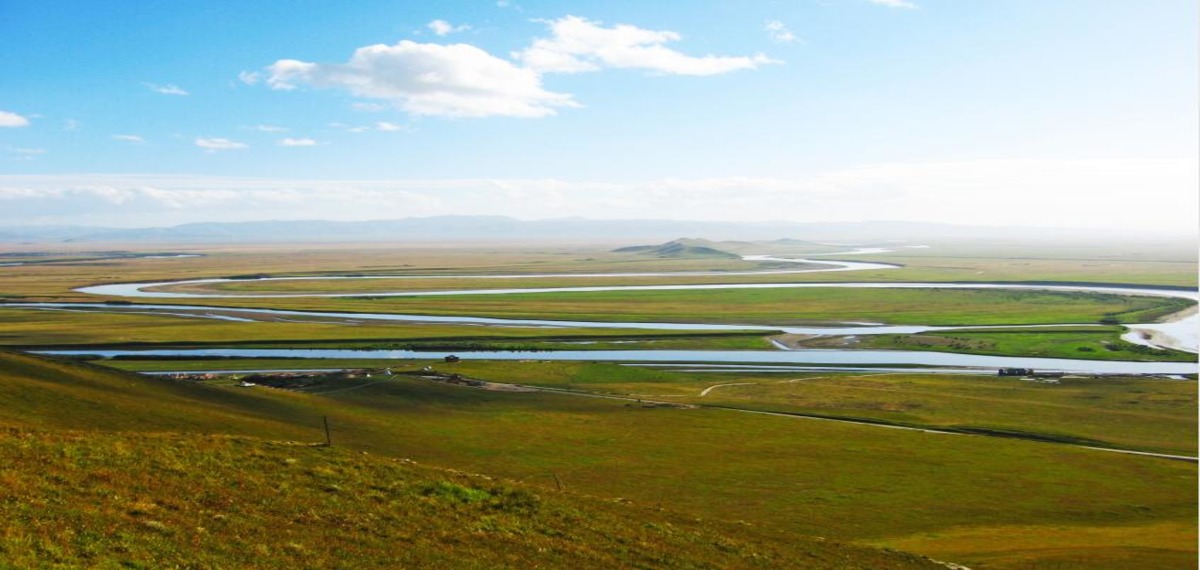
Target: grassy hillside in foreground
1075	508
143	497
94	499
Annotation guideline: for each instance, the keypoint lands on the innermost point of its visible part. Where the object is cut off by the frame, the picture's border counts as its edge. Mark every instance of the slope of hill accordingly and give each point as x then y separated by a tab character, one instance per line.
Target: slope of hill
679	249
137	483
76	499
43	393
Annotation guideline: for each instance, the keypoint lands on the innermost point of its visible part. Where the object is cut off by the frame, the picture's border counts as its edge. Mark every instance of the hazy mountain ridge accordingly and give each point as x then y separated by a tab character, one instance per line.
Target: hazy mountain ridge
476	228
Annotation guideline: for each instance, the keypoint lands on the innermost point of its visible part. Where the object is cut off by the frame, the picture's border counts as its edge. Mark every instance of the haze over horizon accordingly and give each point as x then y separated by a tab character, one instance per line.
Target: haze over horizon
1070	114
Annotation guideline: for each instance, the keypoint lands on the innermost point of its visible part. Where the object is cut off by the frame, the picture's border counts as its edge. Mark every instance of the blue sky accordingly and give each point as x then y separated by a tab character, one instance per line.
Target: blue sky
1069	113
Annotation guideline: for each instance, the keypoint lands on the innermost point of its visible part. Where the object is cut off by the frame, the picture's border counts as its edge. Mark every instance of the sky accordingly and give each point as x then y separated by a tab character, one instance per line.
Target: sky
1069	113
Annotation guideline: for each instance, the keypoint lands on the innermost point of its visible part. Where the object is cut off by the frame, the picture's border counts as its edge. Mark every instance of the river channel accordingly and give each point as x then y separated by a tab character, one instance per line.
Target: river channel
1180	332
817	358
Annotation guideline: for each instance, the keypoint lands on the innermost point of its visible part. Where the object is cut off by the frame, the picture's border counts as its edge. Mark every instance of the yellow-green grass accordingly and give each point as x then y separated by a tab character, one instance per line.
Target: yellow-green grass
37	327
55	281
781	306
1096	344
46	393
1139	264
147	476
804	476
798	476
1128	413
90	499
1176	271
375	286
33	327
1065	547
1131	413
1180	273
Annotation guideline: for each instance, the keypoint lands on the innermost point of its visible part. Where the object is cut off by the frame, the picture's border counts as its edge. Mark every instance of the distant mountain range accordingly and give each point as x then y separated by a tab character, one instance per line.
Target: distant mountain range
499	228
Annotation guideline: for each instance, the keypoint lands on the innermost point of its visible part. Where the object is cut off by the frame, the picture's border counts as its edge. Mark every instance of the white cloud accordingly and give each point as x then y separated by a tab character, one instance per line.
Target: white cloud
578	45
368	107
269	128
779	32
71	125
895	4
457	80
25	153
379	126
1000	192
462	80
249	77
8	119
297	142
215	144
442	27
168	89
135	139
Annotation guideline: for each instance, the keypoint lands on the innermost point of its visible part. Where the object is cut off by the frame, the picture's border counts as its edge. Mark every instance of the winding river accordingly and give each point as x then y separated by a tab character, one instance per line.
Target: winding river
1180	332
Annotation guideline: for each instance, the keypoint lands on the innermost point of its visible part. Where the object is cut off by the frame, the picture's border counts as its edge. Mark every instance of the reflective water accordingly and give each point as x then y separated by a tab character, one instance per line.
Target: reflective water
796	357
1181	334
140	290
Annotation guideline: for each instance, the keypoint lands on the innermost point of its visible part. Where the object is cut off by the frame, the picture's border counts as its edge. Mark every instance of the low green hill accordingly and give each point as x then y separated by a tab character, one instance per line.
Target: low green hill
108	469
679	249
45	393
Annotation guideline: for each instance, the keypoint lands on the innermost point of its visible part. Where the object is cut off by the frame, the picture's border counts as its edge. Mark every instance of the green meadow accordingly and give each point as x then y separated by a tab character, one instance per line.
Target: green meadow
665	469
796	476
103	469
1101	343
1142	414
782	306
50	328
1130	413
37	327
1134	264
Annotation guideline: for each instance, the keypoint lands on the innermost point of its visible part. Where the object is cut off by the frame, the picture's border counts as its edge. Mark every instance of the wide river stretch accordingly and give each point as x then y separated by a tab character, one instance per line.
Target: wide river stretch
1178	331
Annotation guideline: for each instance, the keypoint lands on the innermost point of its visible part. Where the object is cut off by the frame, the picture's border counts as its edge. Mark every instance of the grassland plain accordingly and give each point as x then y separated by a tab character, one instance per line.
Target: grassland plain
845	482
55	328
1173	267
38	327
1131	413
770	306
1070	508
776	306
1148	264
